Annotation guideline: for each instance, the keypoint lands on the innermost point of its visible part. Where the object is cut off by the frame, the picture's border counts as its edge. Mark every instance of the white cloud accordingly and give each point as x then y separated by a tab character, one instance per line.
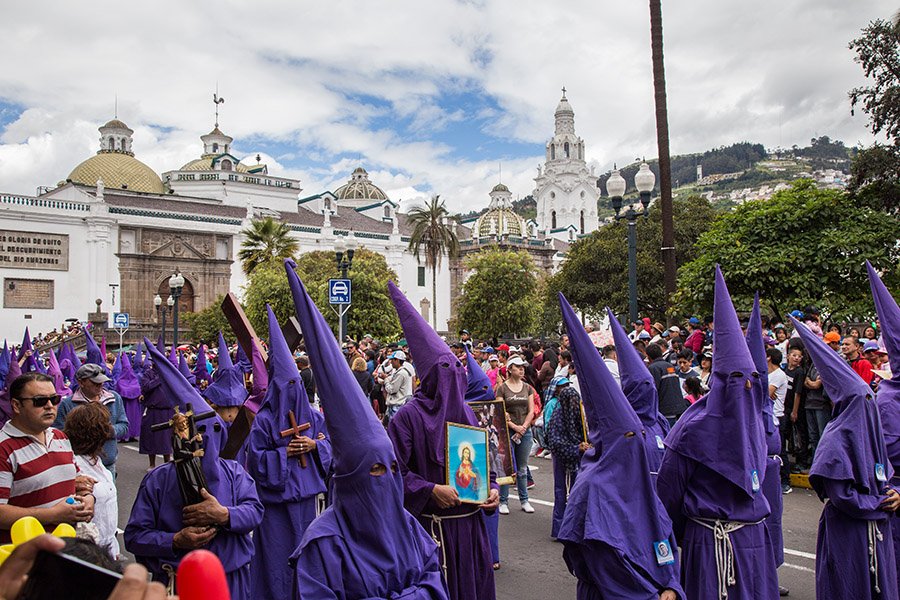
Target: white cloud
330	82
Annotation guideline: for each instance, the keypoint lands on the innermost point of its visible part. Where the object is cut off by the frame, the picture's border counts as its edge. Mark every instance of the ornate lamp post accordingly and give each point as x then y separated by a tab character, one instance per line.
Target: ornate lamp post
176	282
344	249
644	181
157	303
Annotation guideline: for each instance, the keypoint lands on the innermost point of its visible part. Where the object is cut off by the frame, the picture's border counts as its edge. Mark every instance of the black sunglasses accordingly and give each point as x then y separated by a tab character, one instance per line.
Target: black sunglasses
40	401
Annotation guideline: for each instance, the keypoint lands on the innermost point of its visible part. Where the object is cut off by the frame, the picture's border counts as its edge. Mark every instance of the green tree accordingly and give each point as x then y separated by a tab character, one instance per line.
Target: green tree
371	312
803	246
266	240
500	295
878	51
204	325
433	237
595	273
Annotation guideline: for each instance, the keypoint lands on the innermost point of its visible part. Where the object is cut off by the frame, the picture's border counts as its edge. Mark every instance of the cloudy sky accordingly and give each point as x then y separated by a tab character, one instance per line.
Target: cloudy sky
429	96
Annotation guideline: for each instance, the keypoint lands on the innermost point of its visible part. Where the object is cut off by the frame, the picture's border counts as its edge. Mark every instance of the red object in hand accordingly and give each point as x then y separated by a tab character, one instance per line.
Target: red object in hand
201	577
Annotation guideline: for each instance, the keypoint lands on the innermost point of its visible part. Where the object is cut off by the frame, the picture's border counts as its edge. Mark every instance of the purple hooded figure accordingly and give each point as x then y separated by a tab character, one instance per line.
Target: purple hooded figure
94	355
130	389
161	530
201	367
157	405
31	362
711	476
173	355
289	489
259	380
771	483
4	363
227	392
242	361
888	397
56	373
850	473
5	405
185	370
618	539
418	431
223	356
640	390
365	545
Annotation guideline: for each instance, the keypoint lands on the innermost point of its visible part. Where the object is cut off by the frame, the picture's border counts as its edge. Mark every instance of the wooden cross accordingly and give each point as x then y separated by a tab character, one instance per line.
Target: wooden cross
295	431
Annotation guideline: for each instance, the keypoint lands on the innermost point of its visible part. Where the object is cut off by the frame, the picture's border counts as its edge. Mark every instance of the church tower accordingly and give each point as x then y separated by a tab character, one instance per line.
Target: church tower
565	188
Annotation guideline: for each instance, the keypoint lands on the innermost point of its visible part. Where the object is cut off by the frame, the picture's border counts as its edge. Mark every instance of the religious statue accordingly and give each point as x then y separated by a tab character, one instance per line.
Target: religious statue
187	450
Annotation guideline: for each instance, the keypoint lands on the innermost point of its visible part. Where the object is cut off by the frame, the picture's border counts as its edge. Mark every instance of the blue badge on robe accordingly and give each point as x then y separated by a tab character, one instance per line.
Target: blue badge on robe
880	475
664	554
659	443
754	480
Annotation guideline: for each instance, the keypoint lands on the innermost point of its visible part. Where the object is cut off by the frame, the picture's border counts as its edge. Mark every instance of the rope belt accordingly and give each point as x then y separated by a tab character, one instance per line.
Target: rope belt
722	530
437	533
170	585
874	537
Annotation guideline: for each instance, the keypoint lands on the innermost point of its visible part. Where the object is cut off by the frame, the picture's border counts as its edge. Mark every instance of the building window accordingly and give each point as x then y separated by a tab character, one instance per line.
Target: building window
582	222
215	148
566	149
387	212
226	165
552	151
553	220
327	203
421	276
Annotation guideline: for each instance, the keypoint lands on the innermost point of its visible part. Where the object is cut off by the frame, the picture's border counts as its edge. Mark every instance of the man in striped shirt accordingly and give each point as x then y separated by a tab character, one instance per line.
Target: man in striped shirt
37	468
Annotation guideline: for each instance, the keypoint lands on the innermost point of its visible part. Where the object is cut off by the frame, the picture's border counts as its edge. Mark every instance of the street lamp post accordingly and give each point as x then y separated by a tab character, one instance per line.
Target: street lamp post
644	181
157	303
176	282
344	248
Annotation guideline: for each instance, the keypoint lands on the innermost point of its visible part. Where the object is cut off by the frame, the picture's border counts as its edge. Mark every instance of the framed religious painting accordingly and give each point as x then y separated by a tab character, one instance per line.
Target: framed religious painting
466	463
491	415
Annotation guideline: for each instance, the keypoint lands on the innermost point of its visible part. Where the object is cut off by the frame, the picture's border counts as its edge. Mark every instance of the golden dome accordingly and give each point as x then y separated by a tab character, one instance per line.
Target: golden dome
360	188
118	171
205	164
499	220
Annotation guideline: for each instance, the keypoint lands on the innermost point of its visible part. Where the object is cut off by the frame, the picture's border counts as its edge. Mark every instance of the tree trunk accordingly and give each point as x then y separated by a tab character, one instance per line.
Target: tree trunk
662	142
434	295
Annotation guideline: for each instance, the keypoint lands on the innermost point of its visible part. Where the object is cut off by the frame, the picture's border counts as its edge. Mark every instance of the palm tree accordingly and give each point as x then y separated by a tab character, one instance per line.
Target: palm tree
662	142
265	240
433	236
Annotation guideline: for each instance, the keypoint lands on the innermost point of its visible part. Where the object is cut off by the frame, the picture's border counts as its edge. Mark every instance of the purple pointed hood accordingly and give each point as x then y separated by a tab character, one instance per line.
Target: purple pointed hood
103	348
160	344
613	500
242	360
853	443
173	355
285	390
31	363
4	363
260	379
116	371
889	317
213	430
227	389
757	348
723	430
5	407
384	538
185	370
94	356
637	382
58	378
201	367
442	388
127	383
224	355
478	386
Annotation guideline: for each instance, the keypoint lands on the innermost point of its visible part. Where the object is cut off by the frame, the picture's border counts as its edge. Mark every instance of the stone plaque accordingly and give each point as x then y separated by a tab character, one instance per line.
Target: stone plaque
27	293
32	250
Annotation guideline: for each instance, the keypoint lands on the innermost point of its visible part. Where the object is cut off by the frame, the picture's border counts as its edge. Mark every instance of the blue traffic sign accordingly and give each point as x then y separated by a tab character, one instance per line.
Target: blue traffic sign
339	291
120	320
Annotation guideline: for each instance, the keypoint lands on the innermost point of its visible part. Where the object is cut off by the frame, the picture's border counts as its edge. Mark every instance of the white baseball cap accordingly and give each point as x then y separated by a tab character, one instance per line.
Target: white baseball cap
398	354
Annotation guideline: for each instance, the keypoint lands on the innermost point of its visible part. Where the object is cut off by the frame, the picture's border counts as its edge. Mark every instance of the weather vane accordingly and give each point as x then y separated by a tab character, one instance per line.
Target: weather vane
217	100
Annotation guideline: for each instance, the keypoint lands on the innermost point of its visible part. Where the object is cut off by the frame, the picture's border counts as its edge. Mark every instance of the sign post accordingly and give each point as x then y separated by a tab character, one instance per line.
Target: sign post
340	293
121	321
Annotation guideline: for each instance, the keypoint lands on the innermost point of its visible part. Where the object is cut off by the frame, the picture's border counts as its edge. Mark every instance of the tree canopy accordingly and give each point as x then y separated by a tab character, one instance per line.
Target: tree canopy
371	312
266	240
878	51
432	236
500	295
595	273
204	325
804	246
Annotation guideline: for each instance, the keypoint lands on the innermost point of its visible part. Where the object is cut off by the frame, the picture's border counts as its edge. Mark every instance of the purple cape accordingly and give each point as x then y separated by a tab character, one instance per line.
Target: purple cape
640	390
851	469
288	490
130	389
94	356
614	524
351	550
713	471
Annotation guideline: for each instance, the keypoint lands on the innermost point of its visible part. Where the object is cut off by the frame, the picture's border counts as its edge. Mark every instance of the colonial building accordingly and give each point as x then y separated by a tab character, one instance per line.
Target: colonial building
114	230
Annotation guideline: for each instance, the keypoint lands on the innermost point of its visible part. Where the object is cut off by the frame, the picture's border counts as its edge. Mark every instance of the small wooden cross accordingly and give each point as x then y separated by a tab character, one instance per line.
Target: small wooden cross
295	431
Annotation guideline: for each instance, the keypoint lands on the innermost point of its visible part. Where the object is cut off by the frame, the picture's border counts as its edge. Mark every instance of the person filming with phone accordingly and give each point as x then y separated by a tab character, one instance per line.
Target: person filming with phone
37	466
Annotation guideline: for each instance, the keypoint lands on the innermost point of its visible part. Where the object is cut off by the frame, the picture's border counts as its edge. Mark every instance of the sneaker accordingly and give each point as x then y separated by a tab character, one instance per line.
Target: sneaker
783	591
786	488
547	455
526	506
504	509
530	485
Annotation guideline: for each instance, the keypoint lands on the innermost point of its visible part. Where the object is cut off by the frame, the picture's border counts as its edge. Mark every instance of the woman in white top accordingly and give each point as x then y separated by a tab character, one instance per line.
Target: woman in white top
88	428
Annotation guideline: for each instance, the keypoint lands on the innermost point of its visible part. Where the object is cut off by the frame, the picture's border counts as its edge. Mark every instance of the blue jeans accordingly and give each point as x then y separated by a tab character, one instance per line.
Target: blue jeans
816	420
520	452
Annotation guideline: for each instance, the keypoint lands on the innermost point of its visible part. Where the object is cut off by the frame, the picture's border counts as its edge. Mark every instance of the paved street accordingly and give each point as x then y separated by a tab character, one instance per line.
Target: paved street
532	565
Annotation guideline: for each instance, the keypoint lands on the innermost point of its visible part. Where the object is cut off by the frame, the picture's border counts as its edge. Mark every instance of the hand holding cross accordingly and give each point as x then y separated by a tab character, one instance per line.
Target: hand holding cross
295	432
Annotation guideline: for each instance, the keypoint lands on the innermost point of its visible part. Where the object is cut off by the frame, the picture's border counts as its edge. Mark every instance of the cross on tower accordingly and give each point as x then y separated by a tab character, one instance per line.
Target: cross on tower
564	91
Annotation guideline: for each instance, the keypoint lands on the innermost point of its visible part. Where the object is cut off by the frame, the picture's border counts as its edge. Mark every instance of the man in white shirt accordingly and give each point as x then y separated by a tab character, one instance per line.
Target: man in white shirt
778	385
611	360
398	384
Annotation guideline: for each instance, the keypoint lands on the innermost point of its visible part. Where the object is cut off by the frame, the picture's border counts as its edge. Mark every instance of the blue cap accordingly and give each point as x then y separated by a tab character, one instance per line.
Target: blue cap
488	349
694	321
797	314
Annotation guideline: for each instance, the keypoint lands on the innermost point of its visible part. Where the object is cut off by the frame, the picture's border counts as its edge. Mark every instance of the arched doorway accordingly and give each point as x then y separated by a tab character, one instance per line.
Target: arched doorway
185	301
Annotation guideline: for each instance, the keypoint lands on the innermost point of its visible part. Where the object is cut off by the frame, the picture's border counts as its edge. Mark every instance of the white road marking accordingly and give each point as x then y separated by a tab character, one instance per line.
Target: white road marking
800	554
798	567
533	500
130	447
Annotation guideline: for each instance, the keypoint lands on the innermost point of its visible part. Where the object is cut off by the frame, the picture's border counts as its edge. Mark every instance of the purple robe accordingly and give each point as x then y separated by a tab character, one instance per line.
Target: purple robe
129	388
365	545
288	491
157	409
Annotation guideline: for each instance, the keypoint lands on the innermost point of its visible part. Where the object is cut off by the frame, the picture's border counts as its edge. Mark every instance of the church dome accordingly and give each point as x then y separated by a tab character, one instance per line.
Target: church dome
499	220
500	188
206	164
360	188
118	171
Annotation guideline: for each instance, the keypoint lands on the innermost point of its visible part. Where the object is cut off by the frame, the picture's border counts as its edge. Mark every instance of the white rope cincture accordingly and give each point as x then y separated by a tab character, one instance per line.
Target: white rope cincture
725	569
438	536
875	536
